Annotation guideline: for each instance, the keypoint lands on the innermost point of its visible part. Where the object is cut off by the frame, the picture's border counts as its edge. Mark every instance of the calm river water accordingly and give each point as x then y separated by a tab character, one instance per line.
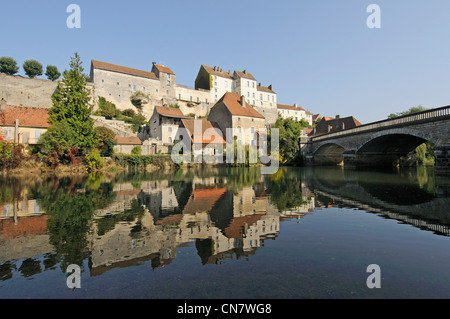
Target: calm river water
227	233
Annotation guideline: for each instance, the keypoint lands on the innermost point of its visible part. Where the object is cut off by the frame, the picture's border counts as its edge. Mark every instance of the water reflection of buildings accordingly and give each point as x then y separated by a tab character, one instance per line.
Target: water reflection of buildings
147	221
222	223
23	230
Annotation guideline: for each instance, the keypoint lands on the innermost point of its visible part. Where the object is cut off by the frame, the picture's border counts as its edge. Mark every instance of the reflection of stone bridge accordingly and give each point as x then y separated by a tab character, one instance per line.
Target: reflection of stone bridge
383	143
415	206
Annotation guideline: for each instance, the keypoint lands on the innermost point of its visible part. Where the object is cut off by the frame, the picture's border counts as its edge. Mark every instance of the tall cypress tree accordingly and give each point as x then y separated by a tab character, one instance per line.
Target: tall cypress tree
72	104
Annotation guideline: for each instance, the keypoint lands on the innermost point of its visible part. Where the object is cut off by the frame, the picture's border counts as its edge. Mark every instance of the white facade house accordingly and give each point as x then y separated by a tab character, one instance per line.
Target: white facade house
295	112
218	82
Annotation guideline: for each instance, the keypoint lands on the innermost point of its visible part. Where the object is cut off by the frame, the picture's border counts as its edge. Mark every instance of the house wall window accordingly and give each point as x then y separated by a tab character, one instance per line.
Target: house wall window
7	133
37	133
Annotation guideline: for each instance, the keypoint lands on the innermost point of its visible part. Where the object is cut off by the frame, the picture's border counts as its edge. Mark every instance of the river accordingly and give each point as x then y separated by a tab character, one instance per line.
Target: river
227	233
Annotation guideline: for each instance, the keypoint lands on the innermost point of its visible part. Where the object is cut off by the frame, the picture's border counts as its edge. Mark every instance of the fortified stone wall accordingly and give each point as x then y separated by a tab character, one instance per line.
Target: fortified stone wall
19	90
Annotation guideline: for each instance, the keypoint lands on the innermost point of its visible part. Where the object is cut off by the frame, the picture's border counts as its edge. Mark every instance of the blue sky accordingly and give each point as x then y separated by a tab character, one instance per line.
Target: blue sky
319	54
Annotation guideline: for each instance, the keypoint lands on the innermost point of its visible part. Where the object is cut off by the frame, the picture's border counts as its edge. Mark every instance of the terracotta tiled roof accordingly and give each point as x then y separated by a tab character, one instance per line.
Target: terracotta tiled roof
122	69
335	125
162	68
204	138
170	220
27	116
203	200
131	140
264	89
224	74
169	112
245	75
236	227
36	225
233	102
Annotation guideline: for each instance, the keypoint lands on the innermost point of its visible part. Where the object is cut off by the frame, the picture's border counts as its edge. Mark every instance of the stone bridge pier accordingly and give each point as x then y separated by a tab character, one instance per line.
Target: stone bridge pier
385	143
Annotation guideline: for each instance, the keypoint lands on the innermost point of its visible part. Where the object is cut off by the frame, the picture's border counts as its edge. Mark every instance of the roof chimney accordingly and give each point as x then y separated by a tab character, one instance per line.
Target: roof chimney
153	63
3	105
270	87
295	105
338	116
259	84
245	71
243	100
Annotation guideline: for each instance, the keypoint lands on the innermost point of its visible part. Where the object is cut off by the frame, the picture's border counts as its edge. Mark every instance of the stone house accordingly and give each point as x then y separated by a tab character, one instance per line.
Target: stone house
202	133
23	124
218	82
126	144
233	112
328	125
118	83
164	123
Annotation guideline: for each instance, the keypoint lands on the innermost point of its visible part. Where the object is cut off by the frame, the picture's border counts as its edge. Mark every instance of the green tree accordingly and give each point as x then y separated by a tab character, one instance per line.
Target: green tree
105	140
71	104
52	73
289	133
138	99
32	68
8	65
411	110
58	144
106	108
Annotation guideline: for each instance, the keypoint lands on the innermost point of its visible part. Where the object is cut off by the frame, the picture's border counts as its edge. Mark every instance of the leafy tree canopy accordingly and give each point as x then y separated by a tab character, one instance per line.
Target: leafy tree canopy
412	110
8	65
32	68
71	104
52	73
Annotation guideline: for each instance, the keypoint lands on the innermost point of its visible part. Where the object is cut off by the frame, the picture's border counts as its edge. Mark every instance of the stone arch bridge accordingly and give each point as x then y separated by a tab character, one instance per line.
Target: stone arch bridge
383	143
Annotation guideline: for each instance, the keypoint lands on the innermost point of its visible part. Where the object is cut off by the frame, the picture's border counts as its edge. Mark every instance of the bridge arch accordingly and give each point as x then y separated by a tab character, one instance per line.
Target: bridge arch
388	147
329	153
400	132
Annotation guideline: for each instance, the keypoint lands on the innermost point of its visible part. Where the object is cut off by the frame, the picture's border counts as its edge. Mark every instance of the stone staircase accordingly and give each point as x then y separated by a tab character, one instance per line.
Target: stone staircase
120	128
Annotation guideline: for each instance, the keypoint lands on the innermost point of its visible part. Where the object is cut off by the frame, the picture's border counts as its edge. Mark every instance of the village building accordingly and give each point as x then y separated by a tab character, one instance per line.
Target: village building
202	135
164	123
22	124
295	112
118	83
125	145
233	112
218	82
329	125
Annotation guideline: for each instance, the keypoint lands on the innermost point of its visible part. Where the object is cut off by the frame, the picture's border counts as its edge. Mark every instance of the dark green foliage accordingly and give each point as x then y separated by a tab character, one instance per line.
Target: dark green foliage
289	133
105	140
59	144
8	65
106	108
71	105
52	73
412	110
138	99
71	214
32	68
285	189
141	161
11	155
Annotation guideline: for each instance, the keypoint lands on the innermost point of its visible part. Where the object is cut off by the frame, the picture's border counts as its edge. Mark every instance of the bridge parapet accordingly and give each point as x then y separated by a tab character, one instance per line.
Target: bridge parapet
429	115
